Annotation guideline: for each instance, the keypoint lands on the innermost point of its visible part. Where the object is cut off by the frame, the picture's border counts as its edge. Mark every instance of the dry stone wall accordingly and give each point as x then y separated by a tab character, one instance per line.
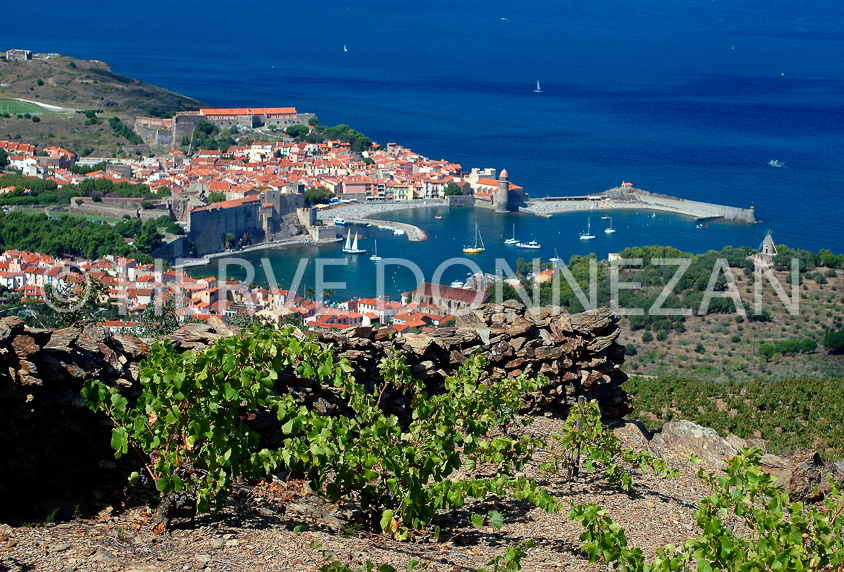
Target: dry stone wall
51	444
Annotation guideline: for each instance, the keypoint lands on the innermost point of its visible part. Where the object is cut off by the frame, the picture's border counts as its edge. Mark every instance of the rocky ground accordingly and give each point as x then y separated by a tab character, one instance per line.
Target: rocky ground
271	526
257	531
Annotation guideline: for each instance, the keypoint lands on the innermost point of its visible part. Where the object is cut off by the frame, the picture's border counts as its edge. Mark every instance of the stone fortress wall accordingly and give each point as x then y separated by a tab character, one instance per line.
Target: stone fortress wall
168	133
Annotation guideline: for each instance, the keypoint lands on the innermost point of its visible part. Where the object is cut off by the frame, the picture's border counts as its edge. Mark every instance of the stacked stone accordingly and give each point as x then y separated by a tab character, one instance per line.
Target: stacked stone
577	354
50	442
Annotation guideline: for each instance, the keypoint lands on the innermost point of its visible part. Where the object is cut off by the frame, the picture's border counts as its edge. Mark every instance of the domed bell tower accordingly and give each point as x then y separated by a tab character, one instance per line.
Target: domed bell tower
501	199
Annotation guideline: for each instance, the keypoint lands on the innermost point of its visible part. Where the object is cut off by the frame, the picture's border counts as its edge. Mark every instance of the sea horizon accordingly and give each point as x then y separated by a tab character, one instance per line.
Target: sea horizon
691	100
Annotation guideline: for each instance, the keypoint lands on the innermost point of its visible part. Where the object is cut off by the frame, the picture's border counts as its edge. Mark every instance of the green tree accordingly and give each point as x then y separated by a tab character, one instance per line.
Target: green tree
319	195
834	342
808	345
4	159
215	197
148	239
296	131
157	320
766	351
452	189
229	240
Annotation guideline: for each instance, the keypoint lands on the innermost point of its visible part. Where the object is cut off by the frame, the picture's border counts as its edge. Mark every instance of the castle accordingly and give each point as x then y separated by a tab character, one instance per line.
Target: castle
253	219
169	132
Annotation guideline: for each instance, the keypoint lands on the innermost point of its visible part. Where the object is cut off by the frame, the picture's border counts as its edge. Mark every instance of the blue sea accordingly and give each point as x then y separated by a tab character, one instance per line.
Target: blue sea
690	98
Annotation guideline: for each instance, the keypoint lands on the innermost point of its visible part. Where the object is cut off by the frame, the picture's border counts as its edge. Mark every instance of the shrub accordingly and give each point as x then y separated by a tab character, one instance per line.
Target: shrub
405	474
834	342
647	337
781	535
187	420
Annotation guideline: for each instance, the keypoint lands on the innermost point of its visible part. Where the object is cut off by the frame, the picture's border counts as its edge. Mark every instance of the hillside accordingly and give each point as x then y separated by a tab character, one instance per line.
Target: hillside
63	85
480	487
722	346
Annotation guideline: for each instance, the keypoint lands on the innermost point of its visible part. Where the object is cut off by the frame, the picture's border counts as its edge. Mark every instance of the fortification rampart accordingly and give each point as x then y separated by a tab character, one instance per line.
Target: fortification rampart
209	226
460	201
155	132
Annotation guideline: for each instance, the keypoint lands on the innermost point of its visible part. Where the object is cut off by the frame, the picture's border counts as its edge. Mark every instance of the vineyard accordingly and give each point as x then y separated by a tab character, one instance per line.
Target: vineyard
405	479
713	341
789	413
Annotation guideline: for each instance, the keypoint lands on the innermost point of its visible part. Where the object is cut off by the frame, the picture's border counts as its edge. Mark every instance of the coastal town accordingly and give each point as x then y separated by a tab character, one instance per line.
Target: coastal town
255	194
260	198
131	288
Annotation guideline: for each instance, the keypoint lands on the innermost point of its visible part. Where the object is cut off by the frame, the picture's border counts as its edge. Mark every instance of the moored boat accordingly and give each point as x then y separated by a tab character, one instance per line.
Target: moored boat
588	234
513	240
479	243
530	245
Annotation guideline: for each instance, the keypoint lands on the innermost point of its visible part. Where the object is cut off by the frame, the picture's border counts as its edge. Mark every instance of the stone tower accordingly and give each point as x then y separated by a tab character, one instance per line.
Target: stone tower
501	200
768	248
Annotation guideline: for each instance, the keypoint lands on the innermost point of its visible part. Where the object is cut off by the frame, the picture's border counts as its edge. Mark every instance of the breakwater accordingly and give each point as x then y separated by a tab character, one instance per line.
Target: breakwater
630	198
414	233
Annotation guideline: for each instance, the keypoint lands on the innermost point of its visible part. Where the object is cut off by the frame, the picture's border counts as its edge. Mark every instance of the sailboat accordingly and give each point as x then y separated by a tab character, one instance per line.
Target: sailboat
375	256
538	89
479	243
352	246
609	230
513	240
556	257
588	234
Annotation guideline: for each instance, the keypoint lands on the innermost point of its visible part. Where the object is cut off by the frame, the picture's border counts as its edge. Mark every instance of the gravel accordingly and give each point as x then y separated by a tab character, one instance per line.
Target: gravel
258	533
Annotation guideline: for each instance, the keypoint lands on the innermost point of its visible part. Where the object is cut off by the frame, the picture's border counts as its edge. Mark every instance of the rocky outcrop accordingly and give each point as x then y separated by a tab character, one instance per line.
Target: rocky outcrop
684	438
803	473
51	443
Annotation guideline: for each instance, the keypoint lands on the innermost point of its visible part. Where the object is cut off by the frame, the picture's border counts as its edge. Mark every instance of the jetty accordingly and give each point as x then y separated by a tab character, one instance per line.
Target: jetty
283	243
414	233
627	197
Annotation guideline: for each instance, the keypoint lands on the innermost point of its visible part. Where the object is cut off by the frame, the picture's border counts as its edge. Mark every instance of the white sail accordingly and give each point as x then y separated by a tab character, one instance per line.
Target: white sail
355	243
348	240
